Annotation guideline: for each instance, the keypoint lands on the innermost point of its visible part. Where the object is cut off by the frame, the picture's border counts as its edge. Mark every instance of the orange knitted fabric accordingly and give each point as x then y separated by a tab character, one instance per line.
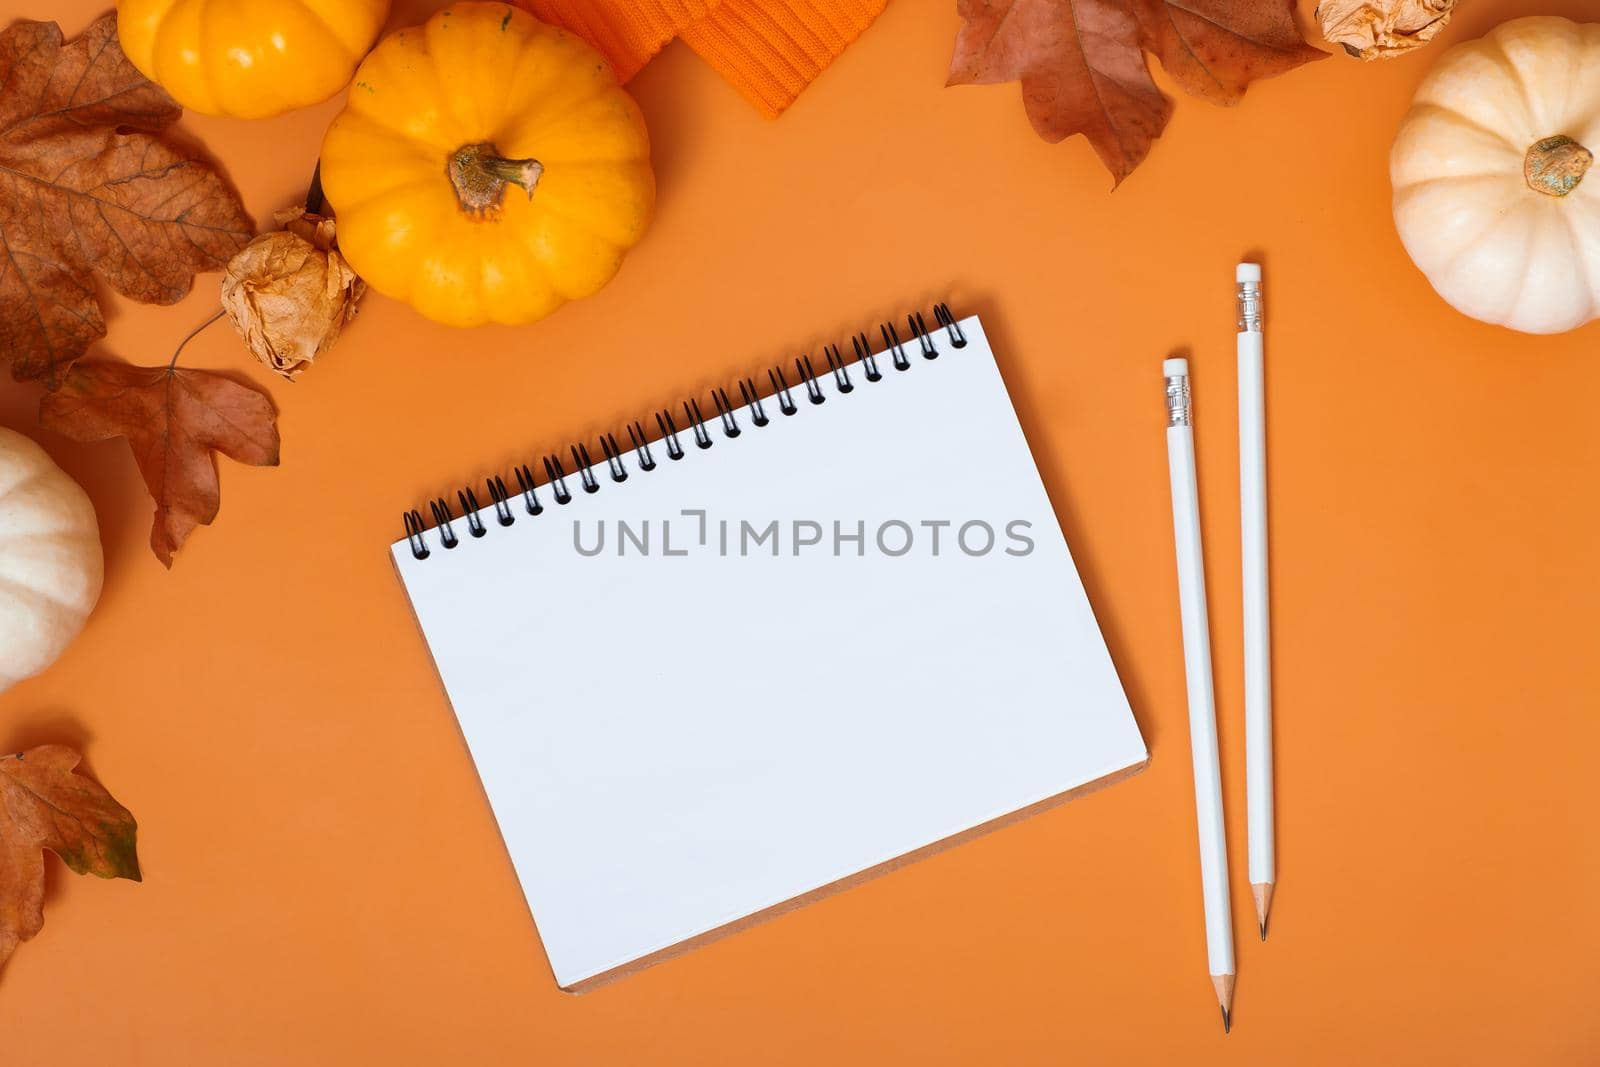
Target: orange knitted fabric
768	49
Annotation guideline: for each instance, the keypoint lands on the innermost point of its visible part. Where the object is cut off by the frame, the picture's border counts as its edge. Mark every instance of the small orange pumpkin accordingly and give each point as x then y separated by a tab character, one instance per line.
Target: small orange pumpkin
488	167
248	58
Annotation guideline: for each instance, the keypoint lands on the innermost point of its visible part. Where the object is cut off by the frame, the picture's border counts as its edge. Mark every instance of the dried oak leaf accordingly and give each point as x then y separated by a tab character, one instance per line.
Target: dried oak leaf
173	419
1083	70
290	293
86	187
44	805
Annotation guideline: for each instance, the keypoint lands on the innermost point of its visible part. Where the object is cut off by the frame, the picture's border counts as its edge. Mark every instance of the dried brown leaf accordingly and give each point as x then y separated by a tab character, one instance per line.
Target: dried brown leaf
45	805
86	187
1082	67
173	419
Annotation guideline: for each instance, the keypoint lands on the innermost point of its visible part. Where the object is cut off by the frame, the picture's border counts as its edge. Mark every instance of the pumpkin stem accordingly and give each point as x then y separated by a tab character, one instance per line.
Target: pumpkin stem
1555	165
480	176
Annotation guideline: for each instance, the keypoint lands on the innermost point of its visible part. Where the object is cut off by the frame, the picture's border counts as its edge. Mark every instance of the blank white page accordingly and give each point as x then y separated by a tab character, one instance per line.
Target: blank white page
676	742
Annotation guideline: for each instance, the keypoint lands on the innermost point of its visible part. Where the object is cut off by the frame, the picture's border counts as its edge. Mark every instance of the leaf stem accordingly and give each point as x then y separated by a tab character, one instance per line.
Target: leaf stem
191	337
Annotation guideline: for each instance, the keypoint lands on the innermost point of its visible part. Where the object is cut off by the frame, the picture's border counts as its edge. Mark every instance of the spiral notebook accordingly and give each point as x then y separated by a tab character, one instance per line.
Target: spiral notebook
794	637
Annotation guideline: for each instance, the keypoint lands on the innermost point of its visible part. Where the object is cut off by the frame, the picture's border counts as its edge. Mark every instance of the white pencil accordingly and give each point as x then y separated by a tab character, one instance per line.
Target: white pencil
1257	639
1197	671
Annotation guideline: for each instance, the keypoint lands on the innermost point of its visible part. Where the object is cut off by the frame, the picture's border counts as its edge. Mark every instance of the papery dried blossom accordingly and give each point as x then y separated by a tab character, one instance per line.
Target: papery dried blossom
1382	29
289	292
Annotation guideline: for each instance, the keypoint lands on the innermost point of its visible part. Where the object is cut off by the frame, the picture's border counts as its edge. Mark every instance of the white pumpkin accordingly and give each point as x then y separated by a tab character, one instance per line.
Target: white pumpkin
50	561
1492	195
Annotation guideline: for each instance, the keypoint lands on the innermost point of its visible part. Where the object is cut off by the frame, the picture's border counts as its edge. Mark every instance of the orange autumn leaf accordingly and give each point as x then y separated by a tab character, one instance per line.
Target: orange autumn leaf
173	419
87	187
44	804
1083	69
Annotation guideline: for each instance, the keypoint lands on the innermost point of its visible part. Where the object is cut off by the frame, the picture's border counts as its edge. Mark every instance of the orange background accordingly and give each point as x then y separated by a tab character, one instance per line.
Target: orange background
324	883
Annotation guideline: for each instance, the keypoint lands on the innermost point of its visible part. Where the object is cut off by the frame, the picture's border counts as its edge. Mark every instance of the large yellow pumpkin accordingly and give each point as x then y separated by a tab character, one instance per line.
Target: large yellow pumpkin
487	168
248	58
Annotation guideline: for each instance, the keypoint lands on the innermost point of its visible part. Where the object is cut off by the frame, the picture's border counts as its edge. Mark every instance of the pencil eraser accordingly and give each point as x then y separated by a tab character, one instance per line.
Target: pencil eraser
1175	368
1247	272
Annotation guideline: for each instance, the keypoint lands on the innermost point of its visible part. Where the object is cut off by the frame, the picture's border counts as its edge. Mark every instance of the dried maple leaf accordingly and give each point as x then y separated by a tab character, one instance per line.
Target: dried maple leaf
174	419
86	187
44	805
1082	66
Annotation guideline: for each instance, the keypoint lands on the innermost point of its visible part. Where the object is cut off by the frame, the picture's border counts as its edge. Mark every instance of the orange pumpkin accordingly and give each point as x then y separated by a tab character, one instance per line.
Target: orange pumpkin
248	58
488	168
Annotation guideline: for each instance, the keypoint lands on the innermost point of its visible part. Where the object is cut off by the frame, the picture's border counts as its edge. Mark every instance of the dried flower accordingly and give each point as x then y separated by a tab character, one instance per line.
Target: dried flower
1382	29
290	292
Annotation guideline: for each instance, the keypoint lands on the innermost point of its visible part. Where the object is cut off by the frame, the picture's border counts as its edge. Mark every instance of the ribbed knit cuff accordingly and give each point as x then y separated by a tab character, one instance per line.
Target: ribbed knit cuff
628	33
770	50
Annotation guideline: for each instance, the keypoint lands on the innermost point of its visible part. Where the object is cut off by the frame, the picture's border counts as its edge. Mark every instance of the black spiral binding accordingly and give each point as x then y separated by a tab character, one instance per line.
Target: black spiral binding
919	340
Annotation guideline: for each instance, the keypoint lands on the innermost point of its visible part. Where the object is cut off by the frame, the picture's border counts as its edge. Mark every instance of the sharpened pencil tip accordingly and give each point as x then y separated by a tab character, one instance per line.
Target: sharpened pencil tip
1223	984
1262	891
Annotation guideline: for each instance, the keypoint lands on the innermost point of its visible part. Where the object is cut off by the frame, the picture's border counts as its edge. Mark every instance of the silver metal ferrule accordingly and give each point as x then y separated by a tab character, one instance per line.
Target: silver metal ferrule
1249	294
1180	407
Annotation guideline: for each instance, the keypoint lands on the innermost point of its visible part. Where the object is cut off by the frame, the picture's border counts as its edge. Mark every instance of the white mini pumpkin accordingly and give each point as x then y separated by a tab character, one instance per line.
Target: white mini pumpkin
50	561
1492	195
